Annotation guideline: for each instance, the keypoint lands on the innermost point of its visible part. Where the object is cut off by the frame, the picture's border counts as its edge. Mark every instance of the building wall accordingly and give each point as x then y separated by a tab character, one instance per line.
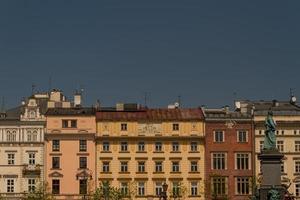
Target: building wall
20	147
151	132
231	147
69	153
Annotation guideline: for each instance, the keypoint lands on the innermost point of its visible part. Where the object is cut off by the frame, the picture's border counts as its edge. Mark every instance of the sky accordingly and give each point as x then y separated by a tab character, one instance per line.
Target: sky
207	52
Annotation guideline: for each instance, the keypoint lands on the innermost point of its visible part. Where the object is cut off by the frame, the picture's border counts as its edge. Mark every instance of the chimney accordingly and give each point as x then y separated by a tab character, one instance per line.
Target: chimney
77	99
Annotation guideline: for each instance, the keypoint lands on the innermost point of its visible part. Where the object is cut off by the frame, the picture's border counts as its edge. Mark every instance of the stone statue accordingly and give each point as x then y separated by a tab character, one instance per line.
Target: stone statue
273	194
270	138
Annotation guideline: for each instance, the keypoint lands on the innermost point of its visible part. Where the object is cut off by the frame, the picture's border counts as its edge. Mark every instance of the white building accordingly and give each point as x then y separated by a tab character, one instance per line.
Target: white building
22	147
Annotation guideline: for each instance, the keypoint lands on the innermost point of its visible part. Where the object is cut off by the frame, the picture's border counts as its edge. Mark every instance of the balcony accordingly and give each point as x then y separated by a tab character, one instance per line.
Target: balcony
32	170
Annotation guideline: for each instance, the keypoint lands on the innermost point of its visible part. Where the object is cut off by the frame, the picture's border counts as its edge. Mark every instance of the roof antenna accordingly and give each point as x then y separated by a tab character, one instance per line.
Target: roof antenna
33	86
2	105
179	100
50	84
145	99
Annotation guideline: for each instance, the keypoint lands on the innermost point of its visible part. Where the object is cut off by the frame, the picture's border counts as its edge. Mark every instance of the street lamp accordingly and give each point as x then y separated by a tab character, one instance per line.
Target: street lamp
163	194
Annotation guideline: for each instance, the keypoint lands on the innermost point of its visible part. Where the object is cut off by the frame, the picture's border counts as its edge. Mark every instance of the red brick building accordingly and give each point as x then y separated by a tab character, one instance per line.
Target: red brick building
228	154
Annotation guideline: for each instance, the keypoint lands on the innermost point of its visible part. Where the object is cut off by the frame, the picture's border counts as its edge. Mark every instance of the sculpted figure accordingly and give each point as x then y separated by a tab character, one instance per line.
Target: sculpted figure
270	138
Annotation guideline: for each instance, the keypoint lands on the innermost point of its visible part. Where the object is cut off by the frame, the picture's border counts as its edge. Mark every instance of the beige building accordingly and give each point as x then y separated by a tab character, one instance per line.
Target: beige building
139	149
21	147
287	116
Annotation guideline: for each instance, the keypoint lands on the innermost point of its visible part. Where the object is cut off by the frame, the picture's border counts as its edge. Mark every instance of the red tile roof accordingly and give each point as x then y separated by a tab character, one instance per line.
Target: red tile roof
151	115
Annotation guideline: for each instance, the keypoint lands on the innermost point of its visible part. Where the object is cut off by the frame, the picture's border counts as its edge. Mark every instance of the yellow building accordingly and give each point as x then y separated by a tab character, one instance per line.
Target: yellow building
287	117
138	150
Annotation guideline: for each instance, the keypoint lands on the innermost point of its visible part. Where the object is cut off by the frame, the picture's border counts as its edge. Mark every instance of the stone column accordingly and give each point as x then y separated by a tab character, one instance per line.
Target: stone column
270	162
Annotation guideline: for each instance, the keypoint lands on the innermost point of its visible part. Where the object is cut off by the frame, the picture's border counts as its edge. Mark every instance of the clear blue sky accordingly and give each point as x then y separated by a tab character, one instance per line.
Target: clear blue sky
118	50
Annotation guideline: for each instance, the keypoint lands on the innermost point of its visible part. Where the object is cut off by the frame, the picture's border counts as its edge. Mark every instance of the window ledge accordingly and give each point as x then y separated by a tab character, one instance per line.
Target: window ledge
124	172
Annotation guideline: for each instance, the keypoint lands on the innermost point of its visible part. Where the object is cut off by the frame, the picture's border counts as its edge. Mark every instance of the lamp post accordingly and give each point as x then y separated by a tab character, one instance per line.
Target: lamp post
163	195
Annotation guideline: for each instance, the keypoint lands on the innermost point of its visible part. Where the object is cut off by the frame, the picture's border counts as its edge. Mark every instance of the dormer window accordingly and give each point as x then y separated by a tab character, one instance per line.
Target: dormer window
69	123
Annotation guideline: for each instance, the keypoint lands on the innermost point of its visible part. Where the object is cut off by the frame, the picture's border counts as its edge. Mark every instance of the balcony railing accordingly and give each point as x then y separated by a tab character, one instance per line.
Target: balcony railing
32	170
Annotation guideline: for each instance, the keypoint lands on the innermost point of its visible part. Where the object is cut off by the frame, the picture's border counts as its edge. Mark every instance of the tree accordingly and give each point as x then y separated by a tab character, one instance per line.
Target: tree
106	192
41	192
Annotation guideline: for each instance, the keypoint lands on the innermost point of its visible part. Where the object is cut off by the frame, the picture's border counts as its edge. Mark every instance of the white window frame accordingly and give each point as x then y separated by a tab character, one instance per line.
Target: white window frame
219	131
212	160
242	153
237	135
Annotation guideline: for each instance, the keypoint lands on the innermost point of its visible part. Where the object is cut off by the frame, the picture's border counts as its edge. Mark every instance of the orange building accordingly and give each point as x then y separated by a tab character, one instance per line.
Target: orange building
70	151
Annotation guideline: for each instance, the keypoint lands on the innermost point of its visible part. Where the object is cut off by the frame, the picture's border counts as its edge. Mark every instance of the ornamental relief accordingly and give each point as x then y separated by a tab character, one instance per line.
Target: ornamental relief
149	128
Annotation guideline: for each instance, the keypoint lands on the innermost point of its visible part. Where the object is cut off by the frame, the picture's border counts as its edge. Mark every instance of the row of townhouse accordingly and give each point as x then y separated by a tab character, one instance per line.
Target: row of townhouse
203	153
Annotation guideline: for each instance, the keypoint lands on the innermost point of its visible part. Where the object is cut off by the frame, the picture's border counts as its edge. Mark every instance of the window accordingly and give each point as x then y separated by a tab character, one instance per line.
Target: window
282	167
261	145
31	137
65	123
105	146
69	123
243	185
124	146
175	189
11	136
55	162
82	186
10	159
55	145
297	189
55	186
10	185
194	146
73	123
31	185
123	127
219	136
105	166
297	146
219	186
194	166
242	136
175	127
82	162
141	188
158	146
31	158
141	146
242	161
175	146
158	188
280	145
124	188
219	161
158	166
124	166
82	145
175	166
297	166
141	166
194	188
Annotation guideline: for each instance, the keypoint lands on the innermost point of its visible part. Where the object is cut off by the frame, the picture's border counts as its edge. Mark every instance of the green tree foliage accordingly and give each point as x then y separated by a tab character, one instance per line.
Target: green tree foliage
106	192
41	192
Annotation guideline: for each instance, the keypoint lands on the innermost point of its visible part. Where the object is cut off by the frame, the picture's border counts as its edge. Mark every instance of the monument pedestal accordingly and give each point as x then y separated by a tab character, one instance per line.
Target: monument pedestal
270	162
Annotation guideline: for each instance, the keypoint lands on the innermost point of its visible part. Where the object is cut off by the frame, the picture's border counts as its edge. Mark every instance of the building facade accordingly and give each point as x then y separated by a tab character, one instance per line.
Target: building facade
229	155
139	149
22	147
70	151
287	117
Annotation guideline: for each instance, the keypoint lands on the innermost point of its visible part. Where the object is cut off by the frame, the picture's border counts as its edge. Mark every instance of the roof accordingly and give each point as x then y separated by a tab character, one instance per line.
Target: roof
279	108
151	115
223	114
88	111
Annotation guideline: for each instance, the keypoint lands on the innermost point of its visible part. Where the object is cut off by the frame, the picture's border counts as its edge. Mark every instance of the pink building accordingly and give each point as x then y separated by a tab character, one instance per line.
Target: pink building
70	152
